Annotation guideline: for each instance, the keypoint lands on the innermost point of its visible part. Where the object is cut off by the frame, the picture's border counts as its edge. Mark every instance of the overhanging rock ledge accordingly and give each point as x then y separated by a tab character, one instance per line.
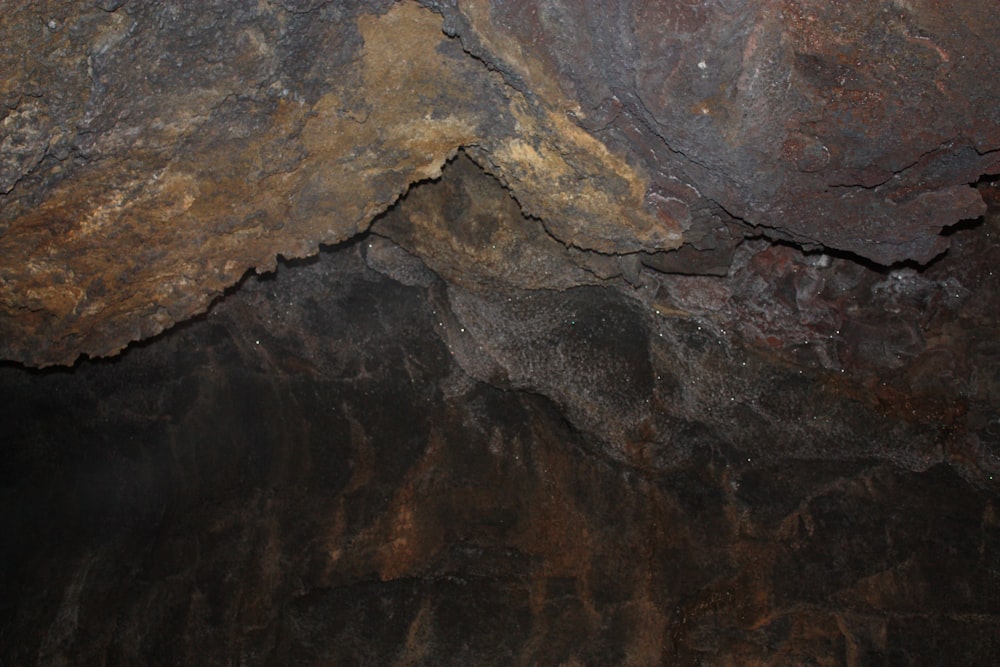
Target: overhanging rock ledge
154	152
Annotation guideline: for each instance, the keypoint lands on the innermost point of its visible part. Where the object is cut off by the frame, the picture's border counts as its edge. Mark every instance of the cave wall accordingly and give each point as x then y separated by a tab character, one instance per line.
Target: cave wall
499	333
352	460
310	475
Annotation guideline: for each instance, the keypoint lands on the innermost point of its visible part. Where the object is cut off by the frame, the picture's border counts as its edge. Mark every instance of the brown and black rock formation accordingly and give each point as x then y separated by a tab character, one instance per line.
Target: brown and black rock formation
514	333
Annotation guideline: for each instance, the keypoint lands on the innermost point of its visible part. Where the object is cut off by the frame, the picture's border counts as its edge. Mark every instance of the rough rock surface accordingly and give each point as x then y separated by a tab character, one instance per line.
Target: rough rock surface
154	152
854	126
656	333
333	467
353	461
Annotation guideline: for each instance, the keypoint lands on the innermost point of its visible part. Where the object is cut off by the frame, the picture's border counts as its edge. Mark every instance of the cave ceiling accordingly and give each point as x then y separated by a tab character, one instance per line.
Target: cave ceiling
153	153
499	332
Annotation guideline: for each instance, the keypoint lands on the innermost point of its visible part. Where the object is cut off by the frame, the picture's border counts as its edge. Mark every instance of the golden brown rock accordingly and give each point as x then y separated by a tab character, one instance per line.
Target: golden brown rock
215	176
503	419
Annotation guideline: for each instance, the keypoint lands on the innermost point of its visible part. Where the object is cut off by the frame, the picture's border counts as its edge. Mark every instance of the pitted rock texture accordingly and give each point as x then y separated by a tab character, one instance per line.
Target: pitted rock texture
507	333
855	126
154	152
315	472
193	142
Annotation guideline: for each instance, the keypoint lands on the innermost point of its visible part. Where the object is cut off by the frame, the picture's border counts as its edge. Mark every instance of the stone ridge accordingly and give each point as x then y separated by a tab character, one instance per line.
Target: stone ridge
214	149
153	153
854	126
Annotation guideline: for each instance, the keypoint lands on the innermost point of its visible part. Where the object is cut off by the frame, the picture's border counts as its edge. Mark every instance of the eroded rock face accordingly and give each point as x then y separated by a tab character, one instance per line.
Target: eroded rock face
633	341
337	467
153	152
203	140
852	126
